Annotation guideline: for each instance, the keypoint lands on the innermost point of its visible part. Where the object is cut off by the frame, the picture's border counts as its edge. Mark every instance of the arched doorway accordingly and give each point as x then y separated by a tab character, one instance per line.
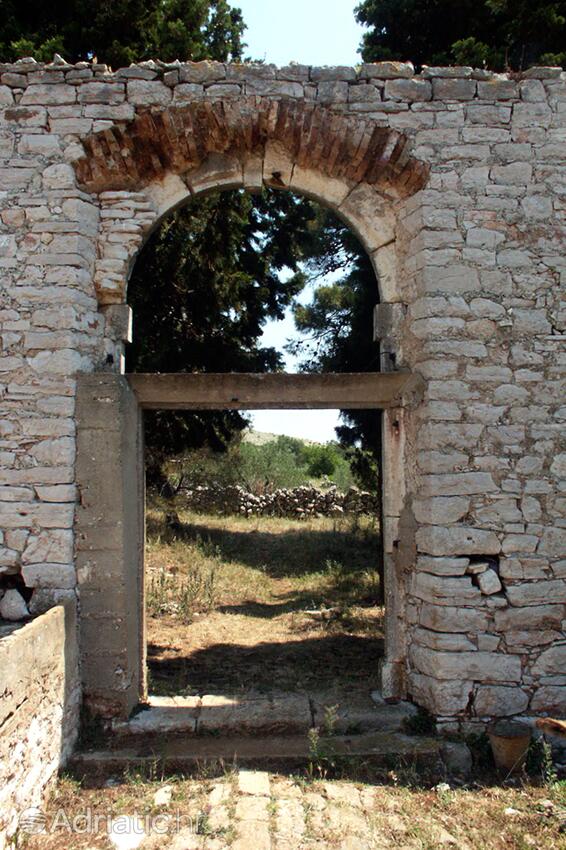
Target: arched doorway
145	170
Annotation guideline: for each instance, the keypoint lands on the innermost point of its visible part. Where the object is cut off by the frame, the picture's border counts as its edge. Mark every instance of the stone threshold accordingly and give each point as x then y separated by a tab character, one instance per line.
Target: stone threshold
284	713
177	754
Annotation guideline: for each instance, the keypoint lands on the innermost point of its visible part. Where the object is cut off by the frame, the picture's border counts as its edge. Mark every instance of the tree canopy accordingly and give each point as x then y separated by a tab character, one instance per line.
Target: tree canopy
119	32
201	291
497	34
336	329
208	279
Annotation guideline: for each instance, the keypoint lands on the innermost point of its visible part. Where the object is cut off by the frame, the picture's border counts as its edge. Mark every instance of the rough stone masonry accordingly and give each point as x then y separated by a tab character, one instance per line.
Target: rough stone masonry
455	181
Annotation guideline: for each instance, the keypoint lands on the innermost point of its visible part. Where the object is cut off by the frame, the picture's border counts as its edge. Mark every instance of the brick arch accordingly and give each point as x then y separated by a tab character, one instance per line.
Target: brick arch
179	139
163	157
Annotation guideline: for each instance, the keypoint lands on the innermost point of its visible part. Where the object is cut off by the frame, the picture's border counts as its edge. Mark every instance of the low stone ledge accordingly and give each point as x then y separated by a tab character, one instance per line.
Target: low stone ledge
39	712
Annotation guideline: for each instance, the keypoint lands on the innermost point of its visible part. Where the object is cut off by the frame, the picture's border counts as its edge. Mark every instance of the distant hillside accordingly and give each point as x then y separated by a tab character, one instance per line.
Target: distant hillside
260	438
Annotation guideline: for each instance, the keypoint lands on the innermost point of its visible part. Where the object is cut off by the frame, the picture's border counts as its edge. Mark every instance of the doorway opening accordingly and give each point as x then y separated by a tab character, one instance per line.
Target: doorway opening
292	259
264	572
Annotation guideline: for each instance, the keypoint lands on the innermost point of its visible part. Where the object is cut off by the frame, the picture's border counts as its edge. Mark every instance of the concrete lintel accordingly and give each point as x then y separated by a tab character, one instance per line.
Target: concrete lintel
364	390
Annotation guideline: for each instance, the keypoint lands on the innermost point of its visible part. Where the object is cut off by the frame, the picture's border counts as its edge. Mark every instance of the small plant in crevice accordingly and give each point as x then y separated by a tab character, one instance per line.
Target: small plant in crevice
203	826
539	761
322	756
480	748
421	723
330	719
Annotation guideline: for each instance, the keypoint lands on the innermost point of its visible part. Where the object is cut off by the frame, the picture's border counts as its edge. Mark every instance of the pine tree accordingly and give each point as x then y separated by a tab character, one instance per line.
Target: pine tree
119	32
497	34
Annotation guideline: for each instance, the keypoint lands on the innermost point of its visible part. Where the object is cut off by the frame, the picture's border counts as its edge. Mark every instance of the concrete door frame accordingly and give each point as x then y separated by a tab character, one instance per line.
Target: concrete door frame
274	391
110	520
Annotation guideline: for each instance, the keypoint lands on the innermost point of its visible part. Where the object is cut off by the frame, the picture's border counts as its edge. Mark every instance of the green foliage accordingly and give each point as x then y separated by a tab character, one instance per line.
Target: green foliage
499	34
470	51
337	332
201	290
320	460
539	762
269	467
323	758
283	462
122	31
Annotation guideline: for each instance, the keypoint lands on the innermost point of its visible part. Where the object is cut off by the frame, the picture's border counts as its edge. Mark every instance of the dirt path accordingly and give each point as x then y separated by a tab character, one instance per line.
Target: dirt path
278	604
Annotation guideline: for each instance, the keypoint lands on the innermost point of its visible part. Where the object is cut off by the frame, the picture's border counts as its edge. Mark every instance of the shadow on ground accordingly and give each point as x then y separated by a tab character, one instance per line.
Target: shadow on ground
284	553
316	662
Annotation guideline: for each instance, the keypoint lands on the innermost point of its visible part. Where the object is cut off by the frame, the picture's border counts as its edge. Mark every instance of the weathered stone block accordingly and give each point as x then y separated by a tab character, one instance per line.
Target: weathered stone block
443	698
387	70
458	484
443	641
453	89
187	92
553	542
102	92
437	511
552	662
550	700
148	93
202	72
443	566
537	592
452	619
461	540
45	94
478	666
499	701
538	617
489	582
531	115
49	575
279	88
516	174
431	587
408	90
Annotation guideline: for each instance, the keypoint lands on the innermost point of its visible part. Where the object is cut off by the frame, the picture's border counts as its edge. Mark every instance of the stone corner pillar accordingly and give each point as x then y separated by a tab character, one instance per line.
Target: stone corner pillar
110	544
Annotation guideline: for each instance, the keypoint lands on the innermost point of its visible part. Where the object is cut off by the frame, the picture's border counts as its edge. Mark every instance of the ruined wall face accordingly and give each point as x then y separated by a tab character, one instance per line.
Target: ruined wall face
39	710
455	182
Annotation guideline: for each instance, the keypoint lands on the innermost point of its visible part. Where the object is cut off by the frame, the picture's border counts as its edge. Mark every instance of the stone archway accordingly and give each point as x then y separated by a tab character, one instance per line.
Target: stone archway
470	269
364	172
355	166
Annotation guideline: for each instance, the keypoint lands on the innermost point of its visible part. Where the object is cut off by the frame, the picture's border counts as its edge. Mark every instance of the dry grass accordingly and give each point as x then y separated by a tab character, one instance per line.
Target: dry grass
525	816
248	626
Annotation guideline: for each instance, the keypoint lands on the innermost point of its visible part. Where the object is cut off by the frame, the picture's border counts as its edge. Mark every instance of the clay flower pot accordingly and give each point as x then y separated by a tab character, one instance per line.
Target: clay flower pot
509	741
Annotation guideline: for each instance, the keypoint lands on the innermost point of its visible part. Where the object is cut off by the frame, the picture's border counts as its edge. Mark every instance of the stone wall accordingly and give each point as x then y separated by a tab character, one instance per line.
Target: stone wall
297	502
455	181
39	710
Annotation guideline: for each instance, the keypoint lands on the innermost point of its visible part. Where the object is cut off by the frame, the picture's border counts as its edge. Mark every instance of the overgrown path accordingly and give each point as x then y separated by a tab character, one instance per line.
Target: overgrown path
262	604
261	811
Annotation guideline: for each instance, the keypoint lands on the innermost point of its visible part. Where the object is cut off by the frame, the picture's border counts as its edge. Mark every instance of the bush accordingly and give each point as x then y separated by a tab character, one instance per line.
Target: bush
320	460
285	462
270	467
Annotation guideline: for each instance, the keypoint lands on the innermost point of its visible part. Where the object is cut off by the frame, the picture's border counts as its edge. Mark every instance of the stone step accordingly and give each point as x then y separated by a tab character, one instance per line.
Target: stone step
275	714
188	754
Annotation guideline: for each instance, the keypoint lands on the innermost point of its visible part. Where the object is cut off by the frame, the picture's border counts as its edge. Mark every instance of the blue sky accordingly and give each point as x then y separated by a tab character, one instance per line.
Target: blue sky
313	32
